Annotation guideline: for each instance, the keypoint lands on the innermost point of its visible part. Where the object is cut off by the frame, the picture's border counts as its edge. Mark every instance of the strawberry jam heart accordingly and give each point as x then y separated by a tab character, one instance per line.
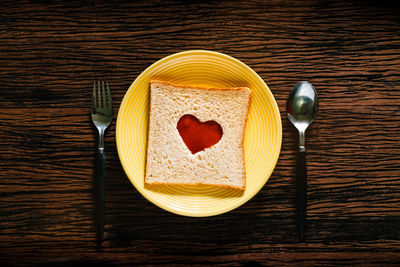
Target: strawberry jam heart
198	135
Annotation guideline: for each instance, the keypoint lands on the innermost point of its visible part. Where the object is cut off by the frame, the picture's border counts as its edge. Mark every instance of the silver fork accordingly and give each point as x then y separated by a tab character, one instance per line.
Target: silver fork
102	116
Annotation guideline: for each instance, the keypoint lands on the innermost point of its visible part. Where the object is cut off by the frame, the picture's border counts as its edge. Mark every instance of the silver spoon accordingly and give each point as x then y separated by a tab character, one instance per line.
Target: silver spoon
302	106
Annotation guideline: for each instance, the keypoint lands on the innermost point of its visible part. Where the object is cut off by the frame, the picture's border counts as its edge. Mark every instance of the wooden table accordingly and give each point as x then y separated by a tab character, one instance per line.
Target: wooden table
50	54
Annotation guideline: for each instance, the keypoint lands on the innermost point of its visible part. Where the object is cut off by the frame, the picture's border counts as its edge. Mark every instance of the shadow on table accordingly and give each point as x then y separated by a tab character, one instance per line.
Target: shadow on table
63	262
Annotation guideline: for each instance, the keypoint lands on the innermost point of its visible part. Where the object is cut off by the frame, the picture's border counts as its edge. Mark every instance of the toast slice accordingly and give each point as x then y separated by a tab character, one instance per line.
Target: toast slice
185	124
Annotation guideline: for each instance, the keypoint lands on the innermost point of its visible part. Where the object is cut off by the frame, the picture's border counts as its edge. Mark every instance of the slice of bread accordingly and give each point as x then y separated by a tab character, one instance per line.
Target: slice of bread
169	159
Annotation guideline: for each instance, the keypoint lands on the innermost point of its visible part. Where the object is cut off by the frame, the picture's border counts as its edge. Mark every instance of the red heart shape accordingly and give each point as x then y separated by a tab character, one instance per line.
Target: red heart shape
198	135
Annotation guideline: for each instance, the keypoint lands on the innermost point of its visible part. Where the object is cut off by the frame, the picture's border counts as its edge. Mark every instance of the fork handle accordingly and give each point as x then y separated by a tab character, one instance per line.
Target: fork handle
301	192
101	191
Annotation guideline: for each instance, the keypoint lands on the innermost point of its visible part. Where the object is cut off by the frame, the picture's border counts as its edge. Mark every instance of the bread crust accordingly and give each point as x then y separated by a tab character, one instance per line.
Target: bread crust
200	87
242	141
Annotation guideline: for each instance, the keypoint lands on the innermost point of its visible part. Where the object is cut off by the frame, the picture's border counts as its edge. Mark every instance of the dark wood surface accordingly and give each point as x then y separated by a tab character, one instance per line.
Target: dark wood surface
50	54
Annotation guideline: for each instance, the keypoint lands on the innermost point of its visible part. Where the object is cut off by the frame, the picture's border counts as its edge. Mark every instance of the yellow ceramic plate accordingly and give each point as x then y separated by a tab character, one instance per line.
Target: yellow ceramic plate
262	140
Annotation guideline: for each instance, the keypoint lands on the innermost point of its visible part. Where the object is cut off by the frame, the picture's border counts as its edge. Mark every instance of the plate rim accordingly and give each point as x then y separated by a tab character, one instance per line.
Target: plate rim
242	200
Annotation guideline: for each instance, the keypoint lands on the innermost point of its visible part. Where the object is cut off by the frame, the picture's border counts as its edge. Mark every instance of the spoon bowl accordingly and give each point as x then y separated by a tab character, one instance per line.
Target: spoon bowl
302	105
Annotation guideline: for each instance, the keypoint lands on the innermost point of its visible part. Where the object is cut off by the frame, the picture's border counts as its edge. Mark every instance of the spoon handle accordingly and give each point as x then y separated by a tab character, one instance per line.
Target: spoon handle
301	191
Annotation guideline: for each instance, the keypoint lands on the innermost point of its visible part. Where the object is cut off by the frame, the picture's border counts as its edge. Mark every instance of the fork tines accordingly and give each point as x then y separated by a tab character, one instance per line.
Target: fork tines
101	95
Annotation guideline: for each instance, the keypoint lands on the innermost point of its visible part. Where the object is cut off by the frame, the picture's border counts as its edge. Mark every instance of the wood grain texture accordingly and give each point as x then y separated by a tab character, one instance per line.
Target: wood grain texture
51	53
